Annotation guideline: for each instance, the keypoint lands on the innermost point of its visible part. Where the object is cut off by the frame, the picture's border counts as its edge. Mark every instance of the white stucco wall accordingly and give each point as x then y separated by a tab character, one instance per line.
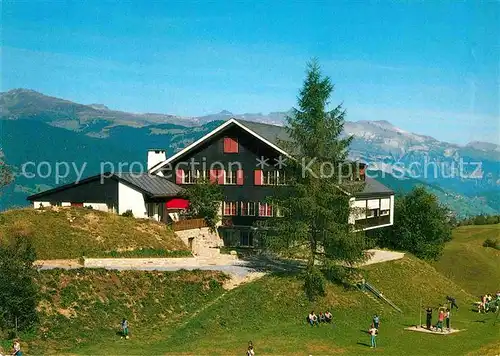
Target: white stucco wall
45	204
97	206
131	199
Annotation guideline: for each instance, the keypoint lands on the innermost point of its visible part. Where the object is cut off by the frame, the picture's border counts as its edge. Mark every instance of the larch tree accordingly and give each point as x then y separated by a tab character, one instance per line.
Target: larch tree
315	202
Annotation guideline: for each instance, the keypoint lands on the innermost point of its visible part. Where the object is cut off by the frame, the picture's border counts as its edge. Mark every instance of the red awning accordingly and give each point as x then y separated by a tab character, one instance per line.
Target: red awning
177	203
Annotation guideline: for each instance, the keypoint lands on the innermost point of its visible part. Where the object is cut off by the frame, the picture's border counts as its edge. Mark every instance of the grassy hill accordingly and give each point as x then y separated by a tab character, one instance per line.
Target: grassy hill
188	313
68	233
466	261
85	307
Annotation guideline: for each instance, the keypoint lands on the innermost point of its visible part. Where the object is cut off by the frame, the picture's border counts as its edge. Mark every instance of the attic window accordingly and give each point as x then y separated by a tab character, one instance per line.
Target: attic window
230	145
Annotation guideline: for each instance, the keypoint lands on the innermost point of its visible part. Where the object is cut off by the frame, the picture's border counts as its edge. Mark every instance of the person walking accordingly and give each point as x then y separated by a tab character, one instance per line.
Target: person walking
373	334
453	302
376	321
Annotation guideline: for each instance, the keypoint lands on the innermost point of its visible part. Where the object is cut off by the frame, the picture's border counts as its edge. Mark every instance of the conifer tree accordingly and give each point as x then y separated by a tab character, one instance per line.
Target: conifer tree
316	200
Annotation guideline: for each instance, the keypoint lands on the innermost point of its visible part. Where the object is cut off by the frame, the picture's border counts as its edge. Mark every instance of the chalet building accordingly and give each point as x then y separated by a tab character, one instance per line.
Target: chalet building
242	157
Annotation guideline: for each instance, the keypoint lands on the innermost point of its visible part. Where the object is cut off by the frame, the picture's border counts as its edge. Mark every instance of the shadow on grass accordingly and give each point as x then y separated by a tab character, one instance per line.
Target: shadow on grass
363	344
274	265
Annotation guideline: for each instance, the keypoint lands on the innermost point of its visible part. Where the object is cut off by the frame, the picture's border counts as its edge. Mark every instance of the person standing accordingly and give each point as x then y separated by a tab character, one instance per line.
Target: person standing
124	327
16	347
440	320
447	317
250	350
373	334
376	321
429	318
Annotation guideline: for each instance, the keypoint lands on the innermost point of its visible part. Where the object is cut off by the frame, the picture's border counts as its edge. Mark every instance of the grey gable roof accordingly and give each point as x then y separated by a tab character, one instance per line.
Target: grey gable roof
373	187
153	185
271	133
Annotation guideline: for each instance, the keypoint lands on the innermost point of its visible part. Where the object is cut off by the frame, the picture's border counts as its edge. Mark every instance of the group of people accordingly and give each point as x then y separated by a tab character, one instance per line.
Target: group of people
443	317
16	349
314	319
488	303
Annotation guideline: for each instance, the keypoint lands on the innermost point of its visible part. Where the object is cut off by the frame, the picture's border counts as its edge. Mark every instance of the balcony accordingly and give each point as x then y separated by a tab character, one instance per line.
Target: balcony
372	222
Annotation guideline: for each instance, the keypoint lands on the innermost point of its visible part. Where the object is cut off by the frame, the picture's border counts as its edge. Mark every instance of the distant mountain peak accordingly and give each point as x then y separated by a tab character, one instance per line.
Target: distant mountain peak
226	112
98	106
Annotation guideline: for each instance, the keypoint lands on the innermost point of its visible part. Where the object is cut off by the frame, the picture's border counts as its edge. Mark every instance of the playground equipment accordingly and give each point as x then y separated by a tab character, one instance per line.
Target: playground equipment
365	287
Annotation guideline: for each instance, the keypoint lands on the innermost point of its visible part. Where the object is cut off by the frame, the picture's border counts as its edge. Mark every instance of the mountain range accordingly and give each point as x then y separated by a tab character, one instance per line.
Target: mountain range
37	128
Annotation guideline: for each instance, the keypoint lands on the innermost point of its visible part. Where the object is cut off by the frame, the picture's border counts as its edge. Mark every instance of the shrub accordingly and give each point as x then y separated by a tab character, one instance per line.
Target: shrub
314	284
128	214
492	243
19	293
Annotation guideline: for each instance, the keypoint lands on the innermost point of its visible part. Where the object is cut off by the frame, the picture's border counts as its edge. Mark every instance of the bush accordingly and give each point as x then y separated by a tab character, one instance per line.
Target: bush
128	214
314	284
18	290
492	243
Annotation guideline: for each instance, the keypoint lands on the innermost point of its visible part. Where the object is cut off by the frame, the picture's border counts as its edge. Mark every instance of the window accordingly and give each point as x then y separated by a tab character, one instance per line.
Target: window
265	209
230	177
384	212
273	178
370	213
248	208
230	145
190	176
229	208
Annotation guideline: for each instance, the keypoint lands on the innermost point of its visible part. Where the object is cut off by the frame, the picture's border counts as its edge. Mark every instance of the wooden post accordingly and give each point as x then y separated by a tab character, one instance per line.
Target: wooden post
420	313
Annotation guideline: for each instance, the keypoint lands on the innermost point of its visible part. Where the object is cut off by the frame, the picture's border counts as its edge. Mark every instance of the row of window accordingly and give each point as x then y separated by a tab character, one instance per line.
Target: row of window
251	208
228	177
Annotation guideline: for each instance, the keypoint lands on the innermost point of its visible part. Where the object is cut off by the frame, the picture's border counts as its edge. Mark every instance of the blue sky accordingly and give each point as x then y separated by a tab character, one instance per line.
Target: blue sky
428	67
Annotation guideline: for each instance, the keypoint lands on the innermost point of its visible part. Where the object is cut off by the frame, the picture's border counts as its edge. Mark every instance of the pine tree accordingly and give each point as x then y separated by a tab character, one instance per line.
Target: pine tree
315	201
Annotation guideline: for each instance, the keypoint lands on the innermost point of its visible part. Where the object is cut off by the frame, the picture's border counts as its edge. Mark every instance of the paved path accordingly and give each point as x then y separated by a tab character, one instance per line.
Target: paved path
223	263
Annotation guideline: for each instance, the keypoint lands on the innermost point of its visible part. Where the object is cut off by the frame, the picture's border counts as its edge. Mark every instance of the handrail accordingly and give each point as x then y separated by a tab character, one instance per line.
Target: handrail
381	296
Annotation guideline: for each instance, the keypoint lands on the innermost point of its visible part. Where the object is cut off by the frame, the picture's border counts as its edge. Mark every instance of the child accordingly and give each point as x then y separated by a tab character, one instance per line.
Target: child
124	328
440	320
373	334
376	321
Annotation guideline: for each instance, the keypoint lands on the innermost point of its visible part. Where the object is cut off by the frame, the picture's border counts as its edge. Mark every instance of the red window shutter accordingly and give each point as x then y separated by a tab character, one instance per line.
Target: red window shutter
179	174
258	177
230	145
234	145
239	177
220	176
213	176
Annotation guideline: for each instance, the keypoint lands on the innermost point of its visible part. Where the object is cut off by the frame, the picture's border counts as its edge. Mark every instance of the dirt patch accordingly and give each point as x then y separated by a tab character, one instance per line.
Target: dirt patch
236	281
68	313
433	331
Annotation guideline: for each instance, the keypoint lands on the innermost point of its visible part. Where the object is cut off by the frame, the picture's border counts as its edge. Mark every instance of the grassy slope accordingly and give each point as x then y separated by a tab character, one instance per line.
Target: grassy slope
85	307
466	261
271	313
73	232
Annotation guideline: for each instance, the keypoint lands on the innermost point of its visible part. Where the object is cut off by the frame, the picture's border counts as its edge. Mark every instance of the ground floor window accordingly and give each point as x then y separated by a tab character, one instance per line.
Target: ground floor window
248	208
265	209
229	208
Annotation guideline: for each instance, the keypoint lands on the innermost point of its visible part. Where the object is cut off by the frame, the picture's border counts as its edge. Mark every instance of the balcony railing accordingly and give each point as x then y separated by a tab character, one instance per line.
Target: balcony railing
188	224
371	222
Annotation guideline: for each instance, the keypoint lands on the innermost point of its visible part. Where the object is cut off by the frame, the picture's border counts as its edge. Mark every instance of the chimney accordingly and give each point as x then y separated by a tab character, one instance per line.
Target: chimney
155	156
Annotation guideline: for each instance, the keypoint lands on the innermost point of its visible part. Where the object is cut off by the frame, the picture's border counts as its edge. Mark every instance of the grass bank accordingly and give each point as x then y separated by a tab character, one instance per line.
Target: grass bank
68	233
466	261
